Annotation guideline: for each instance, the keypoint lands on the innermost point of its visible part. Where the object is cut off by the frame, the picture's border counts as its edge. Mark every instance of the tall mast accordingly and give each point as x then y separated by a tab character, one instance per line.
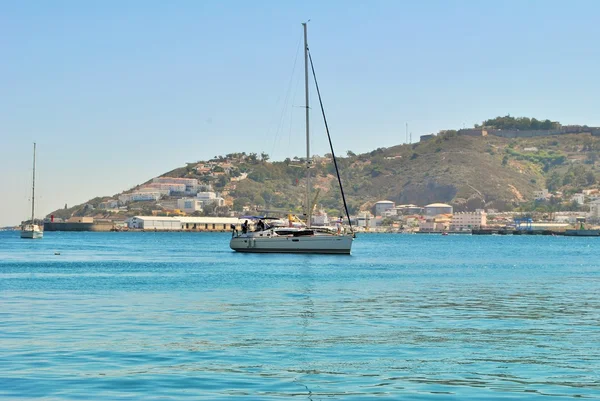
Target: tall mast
33	188
308	205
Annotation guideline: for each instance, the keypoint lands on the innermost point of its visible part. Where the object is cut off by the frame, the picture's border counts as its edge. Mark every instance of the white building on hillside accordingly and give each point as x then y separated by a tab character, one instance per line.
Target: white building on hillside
208	198
139	196
468	220
189	205
578	198
165	188
541	195
191	184
109	204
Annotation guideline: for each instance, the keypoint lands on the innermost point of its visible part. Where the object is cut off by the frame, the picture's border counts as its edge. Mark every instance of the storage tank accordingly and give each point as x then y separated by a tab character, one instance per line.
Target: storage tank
382	206
437	208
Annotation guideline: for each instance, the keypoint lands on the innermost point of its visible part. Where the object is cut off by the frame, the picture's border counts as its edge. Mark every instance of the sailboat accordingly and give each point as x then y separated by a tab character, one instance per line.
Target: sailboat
32	230
294	238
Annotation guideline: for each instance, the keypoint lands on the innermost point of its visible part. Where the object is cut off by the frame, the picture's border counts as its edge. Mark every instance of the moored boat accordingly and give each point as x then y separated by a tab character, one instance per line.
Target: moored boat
32	230
302	239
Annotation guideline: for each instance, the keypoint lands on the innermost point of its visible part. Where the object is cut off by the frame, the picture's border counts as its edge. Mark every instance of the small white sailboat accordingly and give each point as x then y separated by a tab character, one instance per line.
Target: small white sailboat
293	238
32	230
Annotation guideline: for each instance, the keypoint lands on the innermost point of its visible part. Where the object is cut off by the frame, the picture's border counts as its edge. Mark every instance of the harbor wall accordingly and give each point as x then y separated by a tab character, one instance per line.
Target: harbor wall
98	226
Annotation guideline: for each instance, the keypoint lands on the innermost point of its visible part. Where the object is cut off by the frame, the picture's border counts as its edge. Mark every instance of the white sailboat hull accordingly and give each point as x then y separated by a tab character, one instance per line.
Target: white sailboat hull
32	233
331	244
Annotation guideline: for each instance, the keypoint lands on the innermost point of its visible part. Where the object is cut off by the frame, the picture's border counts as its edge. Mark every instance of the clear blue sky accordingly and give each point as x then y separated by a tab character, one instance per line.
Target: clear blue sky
117	92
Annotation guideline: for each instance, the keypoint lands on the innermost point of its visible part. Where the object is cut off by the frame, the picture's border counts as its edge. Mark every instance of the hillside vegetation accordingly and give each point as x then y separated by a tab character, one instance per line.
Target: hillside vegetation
467	172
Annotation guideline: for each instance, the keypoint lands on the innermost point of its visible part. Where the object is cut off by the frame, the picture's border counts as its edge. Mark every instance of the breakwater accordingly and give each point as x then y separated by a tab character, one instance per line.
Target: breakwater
66	226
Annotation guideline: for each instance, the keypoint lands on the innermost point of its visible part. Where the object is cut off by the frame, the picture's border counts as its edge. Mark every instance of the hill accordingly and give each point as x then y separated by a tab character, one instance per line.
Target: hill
466	171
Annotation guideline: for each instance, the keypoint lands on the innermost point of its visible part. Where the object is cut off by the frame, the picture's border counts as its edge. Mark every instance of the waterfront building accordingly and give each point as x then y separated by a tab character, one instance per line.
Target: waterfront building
435	209
392	213
182	223
435	224
465	221
209	223
154	223
365	220
382	206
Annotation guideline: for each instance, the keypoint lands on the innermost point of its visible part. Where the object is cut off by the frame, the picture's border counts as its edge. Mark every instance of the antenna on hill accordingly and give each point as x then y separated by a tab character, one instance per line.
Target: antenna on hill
406	132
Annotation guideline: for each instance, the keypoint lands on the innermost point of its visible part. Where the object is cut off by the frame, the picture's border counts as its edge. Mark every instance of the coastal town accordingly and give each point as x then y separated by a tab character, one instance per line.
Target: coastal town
507	175
183	200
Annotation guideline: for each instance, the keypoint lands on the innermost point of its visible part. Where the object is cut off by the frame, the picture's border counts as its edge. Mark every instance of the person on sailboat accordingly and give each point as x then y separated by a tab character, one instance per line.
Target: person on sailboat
245	227
338	225
260	226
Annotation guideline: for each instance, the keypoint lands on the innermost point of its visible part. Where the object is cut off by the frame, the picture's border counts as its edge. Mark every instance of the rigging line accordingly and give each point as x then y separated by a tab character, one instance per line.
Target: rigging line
286	99
337	171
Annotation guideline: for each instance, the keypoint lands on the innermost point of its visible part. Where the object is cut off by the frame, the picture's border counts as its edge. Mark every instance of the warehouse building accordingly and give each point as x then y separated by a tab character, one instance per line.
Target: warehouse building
183	223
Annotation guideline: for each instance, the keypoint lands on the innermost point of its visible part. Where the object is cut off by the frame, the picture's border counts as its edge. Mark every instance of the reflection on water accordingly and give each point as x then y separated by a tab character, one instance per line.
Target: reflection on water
174	316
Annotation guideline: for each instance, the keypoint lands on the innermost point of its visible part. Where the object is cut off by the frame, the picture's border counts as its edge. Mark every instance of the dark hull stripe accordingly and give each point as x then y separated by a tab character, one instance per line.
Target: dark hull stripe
320	251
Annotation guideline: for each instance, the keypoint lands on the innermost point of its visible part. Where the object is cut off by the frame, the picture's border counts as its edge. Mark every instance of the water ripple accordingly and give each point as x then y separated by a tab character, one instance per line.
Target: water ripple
173	316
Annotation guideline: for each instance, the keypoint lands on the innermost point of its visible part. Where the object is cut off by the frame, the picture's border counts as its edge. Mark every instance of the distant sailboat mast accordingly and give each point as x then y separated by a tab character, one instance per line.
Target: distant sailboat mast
33	188
308	203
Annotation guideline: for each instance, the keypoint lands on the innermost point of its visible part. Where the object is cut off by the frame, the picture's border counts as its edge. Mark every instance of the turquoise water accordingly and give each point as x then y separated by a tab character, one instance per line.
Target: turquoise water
178	316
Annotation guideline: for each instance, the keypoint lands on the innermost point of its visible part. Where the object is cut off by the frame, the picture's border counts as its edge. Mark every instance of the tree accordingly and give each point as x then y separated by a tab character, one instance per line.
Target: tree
554	182
376	171
520	123
388	221
591	158
264	157
350	153
239	203
590	178
221	182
